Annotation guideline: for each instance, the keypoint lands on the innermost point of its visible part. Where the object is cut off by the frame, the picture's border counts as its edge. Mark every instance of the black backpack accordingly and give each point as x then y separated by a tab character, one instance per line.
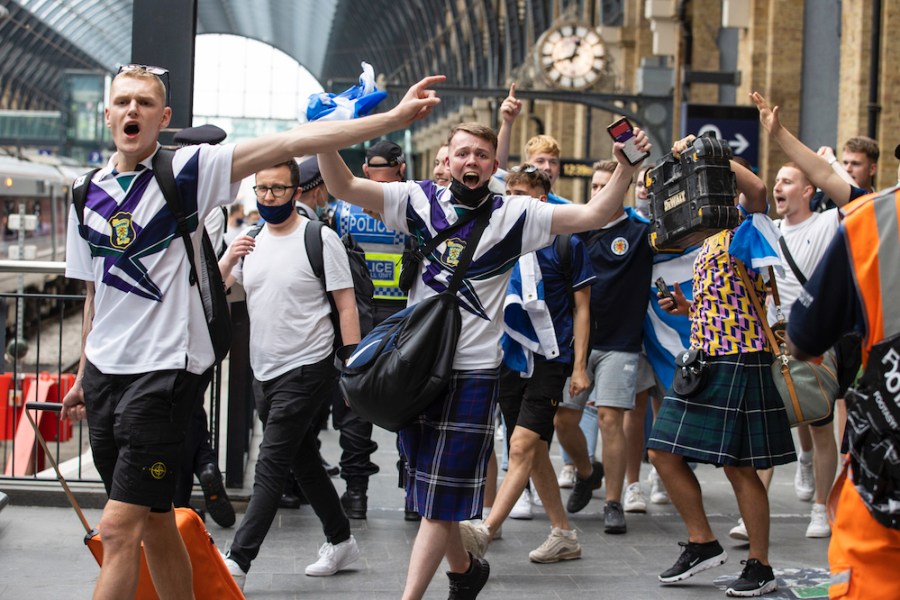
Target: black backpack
211	286
359	269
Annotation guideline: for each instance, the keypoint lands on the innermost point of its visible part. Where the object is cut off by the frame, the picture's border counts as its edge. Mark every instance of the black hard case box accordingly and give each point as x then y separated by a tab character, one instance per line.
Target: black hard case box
692	197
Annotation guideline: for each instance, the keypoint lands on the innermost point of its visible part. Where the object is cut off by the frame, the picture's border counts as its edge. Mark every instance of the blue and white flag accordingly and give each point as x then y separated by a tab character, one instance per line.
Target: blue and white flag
755	243
527	325
667	335
357	101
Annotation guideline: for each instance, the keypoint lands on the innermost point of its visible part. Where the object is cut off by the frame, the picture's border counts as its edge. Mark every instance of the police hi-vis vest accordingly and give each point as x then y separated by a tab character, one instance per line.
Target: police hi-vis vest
873	407
383	247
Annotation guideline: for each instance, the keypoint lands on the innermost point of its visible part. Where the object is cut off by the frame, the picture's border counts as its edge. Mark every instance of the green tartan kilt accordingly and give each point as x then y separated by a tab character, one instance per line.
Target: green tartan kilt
738	419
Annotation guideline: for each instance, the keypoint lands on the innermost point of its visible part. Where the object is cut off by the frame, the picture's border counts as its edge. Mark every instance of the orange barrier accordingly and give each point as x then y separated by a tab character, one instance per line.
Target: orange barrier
28	457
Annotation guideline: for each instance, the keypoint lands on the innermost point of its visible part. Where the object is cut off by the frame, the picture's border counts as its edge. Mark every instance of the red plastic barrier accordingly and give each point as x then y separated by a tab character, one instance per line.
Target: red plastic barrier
44	388
8	414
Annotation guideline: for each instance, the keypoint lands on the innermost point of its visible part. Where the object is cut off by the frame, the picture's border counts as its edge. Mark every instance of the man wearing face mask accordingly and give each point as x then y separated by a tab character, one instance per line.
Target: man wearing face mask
291	340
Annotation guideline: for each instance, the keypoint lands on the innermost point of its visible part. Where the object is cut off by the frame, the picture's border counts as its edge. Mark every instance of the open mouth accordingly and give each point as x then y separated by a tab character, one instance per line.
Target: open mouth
132	129
470	178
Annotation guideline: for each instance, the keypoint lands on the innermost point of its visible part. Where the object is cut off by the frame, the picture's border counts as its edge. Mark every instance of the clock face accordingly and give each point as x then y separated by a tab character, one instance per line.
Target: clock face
571	56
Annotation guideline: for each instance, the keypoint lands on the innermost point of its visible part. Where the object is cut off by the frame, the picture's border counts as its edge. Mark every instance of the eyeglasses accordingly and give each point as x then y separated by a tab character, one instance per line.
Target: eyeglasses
163	74
277	190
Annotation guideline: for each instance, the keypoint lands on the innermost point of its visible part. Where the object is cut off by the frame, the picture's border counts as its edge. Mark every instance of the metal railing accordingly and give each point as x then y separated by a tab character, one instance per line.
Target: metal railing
41	347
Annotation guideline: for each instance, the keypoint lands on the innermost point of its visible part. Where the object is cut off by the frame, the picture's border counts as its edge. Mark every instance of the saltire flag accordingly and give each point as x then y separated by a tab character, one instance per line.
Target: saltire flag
755	243
357	101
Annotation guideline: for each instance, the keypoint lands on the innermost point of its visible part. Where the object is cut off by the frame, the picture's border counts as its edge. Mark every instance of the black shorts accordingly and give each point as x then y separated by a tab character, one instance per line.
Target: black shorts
138	425
531	403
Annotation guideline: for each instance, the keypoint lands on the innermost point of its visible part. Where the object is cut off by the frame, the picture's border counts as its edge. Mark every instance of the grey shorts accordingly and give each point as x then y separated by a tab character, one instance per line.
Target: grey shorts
647	380
613	378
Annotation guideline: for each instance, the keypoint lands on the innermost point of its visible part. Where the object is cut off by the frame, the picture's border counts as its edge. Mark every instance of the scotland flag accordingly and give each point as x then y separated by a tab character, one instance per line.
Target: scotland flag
755	243
357	101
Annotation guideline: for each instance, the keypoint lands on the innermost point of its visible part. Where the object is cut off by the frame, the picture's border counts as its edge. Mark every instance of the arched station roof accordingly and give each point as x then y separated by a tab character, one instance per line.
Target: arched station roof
473	42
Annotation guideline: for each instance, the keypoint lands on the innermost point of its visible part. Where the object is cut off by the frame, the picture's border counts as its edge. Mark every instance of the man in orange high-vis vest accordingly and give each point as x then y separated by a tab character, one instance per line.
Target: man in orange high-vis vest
856	289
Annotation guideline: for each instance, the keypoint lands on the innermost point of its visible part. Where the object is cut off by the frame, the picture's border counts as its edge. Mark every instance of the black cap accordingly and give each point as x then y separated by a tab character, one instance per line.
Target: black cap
310	177
389	151
897	152
203	134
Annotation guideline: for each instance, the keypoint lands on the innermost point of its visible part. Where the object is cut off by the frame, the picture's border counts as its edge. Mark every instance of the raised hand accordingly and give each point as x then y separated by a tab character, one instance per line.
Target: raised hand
511	106
418	101
682	145
768	117
643	144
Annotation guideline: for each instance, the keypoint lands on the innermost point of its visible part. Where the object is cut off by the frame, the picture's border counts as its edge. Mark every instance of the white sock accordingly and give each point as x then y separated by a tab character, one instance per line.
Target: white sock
806	456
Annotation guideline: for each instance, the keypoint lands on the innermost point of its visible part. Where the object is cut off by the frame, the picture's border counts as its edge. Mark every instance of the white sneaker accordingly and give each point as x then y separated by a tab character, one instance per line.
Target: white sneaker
739	532
804	481
818	523
560	545
333	558
634	499
658	494
566	479
240	577
522	508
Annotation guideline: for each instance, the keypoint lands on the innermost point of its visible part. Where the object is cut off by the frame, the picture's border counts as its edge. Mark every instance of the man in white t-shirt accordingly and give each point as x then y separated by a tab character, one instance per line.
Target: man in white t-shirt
447	447
291	353
145	339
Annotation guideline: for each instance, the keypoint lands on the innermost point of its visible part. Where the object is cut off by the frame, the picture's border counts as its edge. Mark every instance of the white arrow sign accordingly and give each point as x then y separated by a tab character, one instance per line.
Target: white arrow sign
739	145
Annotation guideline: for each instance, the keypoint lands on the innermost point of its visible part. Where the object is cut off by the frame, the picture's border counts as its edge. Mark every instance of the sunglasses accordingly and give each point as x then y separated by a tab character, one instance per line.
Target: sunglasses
162	74
526	168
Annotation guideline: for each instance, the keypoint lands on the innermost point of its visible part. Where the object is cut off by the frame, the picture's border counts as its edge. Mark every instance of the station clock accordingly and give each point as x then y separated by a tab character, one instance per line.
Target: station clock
571	56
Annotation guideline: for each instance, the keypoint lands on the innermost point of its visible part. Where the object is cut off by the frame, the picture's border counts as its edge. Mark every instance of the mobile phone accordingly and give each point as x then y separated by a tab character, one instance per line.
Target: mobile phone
664	291
622	131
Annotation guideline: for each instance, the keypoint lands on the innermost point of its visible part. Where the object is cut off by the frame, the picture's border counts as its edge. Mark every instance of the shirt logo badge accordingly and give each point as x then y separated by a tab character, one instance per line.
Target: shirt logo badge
122	230
619	246
455	247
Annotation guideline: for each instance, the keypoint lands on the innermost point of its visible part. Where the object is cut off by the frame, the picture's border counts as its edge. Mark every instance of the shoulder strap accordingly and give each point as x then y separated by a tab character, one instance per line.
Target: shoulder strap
312	239
445	234
79	193
790	260
165	178
563	247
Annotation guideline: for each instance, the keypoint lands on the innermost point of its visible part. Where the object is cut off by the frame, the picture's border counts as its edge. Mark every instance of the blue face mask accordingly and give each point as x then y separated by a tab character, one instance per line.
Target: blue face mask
276	214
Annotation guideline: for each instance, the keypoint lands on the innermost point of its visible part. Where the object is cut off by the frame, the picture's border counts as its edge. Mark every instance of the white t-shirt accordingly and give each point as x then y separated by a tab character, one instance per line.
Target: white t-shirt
807	242
290	322
516	227
146	315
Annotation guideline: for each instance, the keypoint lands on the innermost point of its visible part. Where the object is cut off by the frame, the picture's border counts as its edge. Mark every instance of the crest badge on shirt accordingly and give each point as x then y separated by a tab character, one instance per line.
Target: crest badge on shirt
619	246
122	232
455	247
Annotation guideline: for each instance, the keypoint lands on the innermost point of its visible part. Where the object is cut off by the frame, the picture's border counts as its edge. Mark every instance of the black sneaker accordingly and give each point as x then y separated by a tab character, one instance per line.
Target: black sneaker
756	579
465	586
694	559
355	503
613	517
217	503
581	491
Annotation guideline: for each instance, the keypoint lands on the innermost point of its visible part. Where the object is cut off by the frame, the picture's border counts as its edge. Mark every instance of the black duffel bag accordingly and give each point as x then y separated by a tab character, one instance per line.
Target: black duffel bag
405	364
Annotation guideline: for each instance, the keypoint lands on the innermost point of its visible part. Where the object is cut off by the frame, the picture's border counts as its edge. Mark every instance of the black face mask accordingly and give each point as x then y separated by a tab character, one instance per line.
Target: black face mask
467	195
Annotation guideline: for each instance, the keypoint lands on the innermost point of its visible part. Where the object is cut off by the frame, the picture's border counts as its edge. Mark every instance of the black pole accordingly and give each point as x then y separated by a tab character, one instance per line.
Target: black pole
874	64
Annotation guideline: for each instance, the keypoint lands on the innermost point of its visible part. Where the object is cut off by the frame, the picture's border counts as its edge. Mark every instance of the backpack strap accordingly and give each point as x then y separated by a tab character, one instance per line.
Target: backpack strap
165	178
563	247
79	193
312	239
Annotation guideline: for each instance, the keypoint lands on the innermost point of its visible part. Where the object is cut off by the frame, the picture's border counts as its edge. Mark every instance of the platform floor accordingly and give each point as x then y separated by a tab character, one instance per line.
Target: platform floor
42	556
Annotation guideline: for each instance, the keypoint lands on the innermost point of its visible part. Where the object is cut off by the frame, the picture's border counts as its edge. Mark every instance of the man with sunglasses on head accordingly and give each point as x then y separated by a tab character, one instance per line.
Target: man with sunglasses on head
145	340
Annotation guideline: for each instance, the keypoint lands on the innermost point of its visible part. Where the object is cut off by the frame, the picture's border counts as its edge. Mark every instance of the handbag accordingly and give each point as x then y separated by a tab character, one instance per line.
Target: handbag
406	362
807	389
691	373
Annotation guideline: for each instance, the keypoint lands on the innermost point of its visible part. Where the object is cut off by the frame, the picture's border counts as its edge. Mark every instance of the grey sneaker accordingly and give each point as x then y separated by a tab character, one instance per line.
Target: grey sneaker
613	518
475	537
559	545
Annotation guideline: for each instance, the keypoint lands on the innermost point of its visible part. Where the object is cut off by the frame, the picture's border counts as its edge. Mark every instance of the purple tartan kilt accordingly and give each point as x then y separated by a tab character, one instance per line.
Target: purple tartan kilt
447	448
738	419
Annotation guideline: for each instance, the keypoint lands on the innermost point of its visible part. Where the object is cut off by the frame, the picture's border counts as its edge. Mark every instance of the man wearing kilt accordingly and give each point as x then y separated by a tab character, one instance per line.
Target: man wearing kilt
737	420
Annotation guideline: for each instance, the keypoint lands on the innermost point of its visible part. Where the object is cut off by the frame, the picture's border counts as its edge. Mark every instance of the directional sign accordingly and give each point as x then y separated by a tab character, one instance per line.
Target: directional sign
739	125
